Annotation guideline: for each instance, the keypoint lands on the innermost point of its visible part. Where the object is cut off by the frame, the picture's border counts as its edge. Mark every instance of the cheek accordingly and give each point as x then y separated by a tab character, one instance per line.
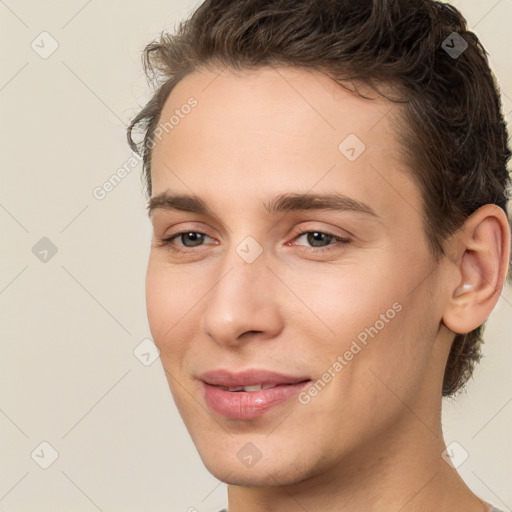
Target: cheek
172	307
346	299
171	301
365	314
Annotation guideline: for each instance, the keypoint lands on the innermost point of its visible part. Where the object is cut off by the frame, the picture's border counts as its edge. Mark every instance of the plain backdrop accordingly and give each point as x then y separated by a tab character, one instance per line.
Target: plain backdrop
73	371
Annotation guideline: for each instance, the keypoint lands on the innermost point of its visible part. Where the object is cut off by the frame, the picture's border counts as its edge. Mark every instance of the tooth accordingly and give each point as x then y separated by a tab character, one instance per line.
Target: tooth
256	387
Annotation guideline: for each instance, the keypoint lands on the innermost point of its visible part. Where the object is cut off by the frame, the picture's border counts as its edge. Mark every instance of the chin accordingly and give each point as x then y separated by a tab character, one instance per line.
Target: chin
272	472
252	477
245	478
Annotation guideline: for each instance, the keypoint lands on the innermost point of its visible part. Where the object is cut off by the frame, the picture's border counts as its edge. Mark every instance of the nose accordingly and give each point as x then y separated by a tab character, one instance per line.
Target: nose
243	304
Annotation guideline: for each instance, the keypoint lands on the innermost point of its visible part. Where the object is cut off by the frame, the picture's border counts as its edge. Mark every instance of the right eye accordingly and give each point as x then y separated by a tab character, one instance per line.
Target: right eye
194	238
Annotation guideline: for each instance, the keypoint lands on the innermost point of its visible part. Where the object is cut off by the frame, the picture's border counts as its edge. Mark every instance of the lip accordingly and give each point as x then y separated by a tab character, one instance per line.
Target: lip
246	405
249	377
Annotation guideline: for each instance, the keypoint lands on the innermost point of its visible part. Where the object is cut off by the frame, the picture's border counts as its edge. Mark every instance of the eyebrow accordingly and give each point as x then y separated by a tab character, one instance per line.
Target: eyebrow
281	203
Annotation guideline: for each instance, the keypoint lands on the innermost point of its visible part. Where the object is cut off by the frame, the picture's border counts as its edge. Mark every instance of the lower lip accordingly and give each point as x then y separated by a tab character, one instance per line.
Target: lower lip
247	405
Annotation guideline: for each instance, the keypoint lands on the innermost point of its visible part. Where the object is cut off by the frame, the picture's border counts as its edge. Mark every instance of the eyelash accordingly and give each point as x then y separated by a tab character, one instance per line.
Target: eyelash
342	241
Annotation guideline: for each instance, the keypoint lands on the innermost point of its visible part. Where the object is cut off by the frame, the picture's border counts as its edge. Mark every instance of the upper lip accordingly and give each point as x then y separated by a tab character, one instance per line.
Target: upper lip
249	377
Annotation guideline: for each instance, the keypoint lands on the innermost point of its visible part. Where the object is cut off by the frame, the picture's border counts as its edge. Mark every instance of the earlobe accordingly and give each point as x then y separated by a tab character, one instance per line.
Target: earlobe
483	245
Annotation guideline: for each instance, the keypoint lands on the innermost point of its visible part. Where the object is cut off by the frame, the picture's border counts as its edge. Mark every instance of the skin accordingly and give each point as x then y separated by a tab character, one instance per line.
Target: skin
371	439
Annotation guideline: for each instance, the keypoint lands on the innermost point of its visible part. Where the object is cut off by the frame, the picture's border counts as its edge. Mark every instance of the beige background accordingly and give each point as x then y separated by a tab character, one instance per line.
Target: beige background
69	325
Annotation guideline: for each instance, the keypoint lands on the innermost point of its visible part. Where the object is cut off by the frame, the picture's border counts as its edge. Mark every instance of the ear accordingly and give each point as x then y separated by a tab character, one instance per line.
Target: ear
481	252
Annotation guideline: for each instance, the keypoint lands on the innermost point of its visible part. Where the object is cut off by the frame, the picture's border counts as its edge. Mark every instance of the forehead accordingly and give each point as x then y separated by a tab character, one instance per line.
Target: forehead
298	102
272	129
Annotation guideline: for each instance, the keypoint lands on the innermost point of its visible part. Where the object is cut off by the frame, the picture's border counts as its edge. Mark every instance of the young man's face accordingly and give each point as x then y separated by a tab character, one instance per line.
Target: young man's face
354	307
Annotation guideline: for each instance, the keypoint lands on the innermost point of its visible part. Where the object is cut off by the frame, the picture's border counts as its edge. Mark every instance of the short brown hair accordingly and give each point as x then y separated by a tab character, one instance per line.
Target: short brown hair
456	142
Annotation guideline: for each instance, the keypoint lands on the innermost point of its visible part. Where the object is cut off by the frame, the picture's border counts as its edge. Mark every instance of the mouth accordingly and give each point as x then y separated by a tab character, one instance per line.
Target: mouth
253	388
249	378
249	394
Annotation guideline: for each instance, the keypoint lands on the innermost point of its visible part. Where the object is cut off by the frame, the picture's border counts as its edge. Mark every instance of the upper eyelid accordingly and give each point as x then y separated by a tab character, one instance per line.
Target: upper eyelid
296	232
302	228
299	217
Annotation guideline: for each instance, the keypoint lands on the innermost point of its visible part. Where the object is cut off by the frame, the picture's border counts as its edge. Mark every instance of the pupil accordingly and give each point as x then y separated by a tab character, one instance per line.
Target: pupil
193	237
317	242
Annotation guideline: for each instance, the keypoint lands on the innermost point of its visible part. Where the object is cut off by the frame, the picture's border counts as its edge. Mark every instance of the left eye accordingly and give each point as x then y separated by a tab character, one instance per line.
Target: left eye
319	239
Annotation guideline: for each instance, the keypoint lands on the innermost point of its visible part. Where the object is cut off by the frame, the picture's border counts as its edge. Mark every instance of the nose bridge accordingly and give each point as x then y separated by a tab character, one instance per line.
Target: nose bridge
241	300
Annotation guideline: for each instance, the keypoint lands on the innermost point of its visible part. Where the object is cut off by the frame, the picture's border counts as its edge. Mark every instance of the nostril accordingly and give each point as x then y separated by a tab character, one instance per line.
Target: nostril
248	333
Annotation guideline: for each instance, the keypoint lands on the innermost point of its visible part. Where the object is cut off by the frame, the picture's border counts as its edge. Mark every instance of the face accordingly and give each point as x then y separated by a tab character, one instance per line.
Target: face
326	302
